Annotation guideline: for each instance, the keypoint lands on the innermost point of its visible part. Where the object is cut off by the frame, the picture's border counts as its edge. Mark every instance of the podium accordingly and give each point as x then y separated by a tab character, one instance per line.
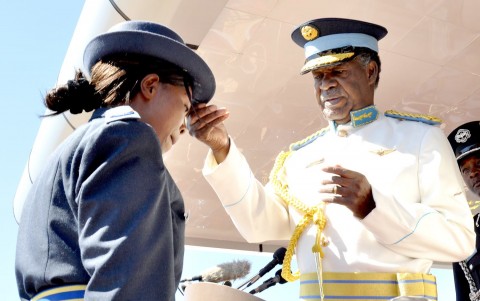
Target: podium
201	291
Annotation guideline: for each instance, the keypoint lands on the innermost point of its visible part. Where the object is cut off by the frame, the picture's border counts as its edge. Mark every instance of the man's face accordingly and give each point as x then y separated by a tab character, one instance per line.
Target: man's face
344	88
470	169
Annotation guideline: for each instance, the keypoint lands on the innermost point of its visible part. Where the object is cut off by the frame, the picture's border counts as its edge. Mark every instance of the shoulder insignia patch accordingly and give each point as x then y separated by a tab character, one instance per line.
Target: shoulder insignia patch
473	204
120	113
428	119
299	144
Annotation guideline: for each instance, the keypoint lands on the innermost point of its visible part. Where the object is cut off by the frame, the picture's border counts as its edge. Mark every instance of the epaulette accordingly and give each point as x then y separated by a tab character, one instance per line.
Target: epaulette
428	119
473	205
299	144
120	113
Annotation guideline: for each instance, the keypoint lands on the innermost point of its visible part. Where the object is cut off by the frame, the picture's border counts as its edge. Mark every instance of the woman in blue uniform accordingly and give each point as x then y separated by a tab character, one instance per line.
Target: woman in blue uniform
105	220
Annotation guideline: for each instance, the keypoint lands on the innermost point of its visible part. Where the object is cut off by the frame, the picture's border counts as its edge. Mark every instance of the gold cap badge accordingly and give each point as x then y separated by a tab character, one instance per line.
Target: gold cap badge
309	32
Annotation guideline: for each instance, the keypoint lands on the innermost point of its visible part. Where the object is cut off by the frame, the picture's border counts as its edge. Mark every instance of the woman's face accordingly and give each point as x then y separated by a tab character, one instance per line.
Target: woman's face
165	111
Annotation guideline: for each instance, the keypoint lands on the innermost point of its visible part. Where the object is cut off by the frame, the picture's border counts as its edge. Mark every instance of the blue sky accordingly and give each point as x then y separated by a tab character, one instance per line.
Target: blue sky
34	39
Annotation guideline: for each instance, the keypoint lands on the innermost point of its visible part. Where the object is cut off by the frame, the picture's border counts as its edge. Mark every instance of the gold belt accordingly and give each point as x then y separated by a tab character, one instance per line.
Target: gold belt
367	286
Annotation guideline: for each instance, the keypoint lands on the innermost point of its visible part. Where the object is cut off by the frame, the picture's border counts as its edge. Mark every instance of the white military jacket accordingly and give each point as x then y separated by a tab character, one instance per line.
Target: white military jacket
421	212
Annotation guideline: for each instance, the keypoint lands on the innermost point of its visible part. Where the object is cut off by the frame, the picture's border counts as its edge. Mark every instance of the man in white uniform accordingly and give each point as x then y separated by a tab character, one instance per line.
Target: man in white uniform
368	203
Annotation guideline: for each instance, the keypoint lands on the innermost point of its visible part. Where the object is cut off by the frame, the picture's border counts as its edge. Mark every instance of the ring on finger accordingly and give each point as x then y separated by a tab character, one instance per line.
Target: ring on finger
334	189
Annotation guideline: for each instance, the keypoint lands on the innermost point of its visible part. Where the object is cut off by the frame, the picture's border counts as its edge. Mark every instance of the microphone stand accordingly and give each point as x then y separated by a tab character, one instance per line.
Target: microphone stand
249	282
278	257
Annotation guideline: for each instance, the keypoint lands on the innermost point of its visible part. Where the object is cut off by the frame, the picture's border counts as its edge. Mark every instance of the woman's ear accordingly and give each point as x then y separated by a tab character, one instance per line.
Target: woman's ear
149	85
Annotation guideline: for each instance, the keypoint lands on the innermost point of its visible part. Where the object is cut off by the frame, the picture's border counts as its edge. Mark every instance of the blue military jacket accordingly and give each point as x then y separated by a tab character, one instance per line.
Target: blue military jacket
104	212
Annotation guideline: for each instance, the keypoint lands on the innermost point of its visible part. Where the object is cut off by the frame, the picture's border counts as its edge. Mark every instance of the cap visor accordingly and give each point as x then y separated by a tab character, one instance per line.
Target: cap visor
325	60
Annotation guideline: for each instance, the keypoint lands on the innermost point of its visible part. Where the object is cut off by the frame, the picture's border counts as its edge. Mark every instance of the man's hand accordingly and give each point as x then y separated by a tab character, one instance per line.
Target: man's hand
350	189
205	122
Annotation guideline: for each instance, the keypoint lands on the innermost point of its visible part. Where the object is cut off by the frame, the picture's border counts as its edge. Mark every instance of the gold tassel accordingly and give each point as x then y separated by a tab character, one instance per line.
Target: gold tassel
318	262
314	214
320	242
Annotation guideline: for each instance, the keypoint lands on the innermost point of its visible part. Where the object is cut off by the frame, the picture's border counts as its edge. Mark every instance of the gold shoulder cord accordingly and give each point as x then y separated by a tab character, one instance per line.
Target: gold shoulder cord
415	115
314	214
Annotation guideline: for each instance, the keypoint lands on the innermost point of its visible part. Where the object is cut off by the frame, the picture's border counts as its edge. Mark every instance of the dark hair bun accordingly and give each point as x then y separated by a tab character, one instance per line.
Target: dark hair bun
77	95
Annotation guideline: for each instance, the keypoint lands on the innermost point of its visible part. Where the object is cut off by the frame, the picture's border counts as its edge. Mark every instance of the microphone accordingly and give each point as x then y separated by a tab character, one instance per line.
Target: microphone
223	272
270	282
277	259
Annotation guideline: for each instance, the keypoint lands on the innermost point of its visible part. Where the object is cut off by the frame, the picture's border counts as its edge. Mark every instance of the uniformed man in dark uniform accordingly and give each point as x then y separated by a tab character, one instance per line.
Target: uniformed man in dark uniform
465	141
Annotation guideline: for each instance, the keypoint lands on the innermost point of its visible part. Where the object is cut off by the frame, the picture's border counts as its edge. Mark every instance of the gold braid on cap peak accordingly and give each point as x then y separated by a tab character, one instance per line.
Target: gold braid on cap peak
324	60
314	214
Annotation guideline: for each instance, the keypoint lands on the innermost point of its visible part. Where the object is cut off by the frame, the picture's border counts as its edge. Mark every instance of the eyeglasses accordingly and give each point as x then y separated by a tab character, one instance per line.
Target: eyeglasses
188	86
